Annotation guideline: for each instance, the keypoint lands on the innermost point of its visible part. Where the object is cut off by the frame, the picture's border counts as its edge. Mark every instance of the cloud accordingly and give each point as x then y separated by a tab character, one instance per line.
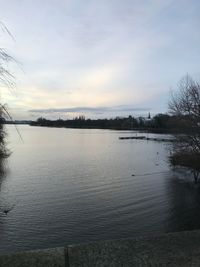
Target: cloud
100	53
123	108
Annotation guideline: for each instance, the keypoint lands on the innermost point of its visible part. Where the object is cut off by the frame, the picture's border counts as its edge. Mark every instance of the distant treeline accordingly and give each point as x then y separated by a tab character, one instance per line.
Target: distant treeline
4	121
159	123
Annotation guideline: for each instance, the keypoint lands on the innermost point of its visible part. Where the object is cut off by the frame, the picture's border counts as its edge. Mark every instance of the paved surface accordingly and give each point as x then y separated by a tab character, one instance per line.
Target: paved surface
179	249
37	258
175	249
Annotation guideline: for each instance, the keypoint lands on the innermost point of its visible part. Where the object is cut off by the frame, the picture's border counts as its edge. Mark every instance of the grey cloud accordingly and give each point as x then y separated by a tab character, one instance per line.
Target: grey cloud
96	110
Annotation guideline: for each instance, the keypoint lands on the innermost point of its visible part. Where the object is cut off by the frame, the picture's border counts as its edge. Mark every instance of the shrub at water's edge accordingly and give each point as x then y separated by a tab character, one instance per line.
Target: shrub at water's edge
188	160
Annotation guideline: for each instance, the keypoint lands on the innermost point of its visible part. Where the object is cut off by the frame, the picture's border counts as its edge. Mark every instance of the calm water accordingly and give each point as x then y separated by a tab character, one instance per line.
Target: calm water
69	186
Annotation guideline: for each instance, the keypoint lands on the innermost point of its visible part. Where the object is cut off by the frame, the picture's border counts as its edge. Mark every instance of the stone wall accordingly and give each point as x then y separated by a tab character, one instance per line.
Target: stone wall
174	249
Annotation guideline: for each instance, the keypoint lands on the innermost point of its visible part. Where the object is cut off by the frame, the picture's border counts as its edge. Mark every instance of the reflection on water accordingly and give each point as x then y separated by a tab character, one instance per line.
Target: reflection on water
184	202
74	185
3	171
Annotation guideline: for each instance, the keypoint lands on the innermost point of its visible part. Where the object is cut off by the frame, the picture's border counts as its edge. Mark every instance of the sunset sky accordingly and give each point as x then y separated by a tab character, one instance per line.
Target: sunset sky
101	58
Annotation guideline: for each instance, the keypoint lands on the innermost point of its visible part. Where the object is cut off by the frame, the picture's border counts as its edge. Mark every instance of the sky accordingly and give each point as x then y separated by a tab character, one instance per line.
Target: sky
100	58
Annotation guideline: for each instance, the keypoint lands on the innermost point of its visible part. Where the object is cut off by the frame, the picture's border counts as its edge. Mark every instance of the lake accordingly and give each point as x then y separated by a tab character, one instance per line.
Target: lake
67	186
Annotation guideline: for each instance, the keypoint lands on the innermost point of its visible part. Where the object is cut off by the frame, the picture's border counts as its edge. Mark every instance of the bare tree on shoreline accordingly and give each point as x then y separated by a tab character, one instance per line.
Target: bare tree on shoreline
185	105
6	80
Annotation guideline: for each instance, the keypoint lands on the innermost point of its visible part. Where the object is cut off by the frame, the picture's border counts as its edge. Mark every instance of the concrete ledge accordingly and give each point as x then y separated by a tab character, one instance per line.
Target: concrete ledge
175	249
37	258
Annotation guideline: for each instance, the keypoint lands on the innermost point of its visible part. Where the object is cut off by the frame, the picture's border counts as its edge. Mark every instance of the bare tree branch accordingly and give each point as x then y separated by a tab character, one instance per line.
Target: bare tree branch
185	105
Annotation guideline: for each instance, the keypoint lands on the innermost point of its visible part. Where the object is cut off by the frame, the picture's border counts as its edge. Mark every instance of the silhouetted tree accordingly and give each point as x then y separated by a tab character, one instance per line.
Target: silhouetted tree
185	105
161	121
6	80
